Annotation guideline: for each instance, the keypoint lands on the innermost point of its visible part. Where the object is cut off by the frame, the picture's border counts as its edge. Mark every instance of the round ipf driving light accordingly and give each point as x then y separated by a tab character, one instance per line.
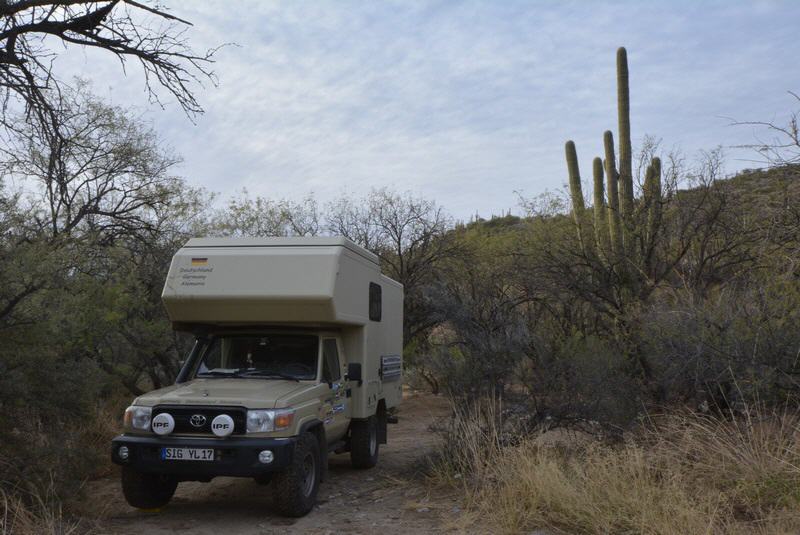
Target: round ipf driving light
163	424
222	425
265	457
123	453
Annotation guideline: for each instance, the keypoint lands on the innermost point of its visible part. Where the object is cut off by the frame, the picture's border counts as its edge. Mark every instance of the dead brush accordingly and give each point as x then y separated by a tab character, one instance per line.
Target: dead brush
679	473
95	436
471	442
751	458
39	514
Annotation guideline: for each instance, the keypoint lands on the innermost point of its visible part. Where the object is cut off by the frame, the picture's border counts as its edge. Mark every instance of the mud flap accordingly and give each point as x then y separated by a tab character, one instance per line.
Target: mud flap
382	427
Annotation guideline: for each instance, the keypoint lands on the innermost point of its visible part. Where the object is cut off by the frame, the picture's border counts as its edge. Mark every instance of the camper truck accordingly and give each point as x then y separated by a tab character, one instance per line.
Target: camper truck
297	355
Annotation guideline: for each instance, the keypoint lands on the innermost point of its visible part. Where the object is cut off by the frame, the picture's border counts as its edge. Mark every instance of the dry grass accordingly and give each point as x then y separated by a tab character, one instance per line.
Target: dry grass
96	435
39	515
680	474
35	505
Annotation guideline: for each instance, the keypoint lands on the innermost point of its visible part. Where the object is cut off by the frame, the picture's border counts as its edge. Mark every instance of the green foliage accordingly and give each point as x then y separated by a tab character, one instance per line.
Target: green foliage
739	344
81	271
579	378
253	217
528	313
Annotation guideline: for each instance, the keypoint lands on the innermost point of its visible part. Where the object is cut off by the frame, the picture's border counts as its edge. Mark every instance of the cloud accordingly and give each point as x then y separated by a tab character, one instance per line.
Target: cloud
465	103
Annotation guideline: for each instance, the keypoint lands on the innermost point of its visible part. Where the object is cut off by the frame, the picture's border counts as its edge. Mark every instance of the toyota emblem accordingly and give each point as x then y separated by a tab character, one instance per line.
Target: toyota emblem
197	420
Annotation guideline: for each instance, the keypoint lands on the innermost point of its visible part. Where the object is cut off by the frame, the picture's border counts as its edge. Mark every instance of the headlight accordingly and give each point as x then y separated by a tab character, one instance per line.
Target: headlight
266	421
138	418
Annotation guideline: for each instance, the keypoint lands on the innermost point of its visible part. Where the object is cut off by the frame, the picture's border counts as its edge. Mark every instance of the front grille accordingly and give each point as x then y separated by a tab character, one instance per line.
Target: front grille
183	415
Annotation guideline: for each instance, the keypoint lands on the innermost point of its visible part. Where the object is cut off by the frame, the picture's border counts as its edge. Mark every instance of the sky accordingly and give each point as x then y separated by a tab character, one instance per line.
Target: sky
466	103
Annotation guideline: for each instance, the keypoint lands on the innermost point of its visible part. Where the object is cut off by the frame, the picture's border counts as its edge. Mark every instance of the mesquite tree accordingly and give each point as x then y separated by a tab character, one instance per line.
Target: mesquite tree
102	172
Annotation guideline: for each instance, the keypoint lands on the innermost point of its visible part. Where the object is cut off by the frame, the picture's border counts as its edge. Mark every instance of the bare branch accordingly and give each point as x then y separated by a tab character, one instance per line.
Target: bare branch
783	145
116	26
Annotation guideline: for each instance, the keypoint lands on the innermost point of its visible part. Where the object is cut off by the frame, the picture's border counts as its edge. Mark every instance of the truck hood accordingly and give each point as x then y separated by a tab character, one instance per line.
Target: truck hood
250	393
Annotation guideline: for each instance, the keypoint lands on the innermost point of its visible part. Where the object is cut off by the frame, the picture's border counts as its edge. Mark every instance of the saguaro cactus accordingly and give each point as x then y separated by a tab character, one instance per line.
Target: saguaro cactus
575	189
617	225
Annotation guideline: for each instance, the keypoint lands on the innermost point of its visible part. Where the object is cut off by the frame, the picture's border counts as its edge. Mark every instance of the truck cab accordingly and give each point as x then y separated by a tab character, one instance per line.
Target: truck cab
288	366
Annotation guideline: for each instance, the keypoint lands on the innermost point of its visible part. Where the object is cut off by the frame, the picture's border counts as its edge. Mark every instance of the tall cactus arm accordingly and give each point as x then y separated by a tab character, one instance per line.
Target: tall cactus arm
600	232
612	178
575	190
625	151
647	189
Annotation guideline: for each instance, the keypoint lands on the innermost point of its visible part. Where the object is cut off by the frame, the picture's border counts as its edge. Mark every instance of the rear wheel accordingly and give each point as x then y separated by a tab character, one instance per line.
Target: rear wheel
295	488
364	442
147	491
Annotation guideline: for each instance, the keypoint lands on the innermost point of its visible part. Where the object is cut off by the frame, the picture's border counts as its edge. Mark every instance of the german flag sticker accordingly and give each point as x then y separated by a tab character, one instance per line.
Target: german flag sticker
199	261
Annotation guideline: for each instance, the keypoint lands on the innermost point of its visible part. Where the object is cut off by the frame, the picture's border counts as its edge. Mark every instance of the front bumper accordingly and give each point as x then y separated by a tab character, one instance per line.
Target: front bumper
232	456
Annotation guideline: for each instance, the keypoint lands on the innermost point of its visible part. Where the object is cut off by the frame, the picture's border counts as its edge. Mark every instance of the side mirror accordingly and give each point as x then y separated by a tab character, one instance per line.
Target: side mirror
354	372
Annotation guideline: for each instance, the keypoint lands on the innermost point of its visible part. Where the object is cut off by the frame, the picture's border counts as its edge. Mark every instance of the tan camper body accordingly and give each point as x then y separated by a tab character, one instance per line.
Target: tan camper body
316	283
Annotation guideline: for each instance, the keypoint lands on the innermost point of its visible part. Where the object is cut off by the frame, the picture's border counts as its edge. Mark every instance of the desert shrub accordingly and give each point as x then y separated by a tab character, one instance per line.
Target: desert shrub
580	381
737	345
46	409
51	391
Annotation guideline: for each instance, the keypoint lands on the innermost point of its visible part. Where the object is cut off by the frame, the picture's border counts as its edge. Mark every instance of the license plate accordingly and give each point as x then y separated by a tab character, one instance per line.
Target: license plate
187	454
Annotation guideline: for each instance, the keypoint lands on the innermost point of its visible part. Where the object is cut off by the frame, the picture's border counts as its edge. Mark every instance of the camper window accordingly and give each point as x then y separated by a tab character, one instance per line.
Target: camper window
375	305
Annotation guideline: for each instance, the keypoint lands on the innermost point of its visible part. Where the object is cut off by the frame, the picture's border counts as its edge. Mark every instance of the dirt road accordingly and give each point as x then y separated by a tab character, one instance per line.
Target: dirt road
387	499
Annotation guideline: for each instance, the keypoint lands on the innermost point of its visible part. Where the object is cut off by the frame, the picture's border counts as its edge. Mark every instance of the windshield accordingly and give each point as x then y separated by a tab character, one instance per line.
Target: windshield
277	356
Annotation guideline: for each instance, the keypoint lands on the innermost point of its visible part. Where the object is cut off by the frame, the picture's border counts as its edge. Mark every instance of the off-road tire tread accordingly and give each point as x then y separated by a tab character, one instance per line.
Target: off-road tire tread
147	491
264	479
287	492
360	456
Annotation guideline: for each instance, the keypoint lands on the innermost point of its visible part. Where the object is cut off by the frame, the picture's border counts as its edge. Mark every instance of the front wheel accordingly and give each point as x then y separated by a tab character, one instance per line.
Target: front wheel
295	488
364	442
264	479
147	491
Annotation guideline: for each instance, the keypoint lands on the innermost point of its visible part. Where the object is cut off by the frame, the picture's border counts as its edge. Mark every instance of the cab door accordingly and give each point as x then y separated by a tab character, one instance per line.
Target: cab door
337	404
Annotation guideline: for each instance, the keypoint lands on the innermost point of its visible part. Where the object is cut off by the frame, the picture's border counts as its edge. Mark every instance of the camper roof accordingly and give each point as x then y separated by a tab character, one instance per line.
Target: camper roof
297	281
312	241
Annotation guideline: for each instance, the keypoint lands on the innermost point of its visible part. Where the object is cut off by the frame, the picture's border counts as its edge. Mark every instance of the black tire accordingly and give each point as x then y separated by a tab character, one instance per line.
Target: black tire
147	491
364	442
294	489
264	479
